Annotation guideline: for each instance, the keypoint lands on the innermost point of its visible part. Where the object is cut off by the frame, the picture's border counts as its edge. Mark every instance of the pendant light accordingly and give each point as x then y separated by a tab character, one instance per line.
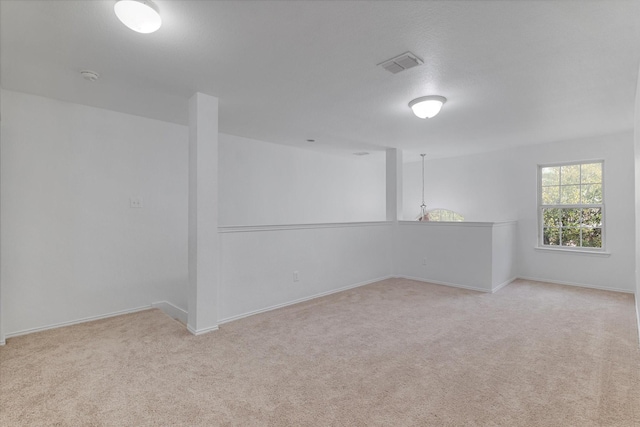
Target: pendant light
424	216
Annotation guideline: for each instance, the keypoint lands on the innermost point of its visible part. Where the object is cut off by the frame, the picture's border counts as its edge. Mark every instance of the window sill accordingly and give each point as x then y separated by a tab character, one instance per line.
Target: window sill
573	251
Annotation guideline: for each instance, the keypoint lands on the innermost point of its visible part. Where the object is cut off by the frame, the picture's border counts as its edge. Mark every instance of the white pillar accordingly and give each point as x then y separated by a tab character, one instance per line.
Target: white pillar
394	184
394	200
204	252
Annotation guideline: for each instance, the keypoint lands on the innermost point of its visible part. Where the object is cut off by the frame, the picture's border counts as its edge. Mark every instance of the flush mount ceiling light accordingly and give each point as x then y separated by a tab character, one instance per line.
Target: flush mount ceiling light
427	107
139	15
89	75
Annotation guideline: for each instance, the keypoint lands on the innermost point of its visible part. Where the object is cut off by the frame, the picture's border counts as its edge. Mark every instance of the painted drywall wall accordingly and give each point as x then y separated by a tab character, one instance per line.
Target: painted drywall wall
616	271
472	255
2	300
267	267
72	247
502	185
636	136
503	254
476	186
267	184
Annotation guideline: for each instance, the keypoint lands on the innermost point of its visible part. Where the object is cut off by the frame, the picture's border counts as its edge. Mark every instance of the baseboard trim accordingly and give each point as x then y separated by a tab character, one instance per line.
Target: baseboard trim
579	285
452	285
171	310
201	331
502	285
637	316
299	300
76	322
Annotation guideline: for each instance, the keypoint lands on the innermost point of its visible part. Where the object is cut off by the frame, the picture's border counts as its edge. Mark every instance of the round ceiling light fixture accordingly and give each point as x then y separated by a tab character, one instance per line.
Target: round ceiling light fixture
139	15
89	75
427	107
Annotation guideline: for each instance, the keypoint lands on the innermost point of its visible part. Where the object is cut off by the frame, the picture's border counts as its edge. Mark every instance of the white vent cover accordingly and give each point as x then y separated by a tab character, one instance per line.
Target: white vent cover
401	62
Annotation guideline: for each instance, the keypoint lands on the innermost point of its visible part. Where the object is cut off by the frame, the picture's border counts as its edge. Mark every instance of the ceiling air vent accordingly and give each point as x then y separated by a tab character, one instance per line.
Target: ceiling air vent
401	62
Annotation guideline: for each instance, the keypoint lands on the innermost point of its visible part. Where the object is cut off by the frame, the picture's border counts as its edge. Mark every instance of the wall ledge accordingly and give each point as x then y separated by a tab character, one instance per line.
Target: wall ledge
456	223
255	228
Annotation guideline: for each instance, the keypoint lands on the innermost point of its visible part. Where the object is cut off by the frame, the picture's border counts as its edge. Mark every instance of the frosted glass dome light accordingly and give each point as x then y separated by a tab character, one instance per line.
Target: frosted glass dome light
427	107
139	15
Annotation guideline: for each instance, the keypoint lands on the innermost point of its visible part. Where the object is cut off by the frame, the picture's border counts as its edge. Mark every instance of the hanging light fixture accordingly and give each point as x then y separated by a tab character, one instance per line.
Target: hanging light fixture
139	15
424	216
427	107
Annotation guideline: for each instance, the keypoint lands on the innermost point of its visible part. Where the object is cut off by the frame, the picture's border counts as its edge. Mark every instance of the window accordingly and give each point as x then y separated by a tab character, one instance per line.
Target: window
570	205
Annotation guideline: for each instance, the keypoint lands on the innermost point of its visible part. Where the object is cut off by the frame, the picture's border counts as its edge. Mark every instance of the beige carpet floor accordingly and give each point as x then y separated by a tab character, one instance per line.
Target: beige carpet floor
394	353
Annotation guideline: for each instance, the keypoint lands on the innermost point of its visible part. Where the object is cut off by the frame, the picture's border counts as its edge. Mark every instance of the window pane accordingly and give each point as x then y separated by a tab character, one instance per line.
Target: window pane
592	193
571	217
571	205
550	195
592	173
570	194
592	217
570	237
570	174
551	236
551	176
592	237
551	217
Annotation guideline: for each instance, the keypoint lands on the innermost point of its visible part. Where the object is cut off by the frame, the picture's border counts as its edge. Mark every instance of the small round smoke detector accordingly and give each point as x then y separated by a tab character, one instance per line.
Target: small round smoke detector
92	76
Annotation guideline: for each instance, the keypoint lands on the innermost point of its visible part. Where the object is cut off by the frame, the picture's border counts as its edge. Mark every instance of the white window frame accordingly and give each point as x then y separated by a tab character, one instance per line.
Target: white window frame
541	244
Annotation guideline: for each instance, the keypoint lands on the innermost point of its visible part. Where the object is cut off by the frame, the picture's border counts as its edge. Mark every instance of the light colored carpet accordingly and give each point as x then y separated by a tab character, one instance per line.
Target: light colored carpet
394	353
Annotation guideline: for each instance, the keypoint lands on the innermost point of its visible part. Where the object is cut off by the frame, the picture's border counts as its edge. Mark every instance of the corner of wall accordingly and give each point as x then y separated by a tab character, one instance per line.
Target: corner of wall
636	141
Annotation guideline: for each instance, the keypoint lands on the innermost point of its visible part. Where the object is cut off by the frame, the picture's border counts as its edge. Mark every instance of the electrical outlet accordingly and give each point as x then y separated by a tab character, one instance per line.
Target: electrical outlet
135	202
296	276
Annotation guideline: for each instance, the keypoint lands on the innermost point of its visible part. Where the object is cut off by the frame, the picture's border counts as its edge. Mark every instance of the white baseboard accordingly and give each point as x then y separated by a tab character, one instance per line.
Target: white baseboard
75	322
171	310
502	285
299	300
580	285
636	296
201	331
453	285
2	341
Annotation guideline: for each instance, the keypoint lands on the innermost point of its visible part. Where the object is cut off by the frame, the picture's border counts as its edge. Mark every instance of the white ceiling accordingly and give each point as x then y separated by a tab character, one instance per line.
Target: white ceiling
514	72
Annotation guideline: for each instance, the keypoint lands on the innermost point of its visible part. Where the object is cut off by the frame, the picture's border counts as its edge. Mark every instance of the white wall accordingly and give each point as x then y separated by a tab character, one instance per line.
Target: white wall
258	263
614	272
475	186
267	184
502	185
503	257
637	194
72	247
472	255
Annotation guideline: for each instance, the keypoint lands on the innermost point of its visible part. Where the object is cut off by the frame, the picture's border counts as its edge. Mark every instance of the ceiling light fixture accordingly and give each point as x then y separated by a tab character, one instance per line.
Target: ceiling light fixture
89	75
427	107
139	15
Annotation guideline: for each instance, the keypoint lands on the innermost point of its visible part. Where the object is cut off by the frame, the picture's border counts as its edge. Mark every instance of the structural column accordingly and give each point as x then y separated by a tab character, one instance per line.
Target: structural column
204	247
394	184
394	199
